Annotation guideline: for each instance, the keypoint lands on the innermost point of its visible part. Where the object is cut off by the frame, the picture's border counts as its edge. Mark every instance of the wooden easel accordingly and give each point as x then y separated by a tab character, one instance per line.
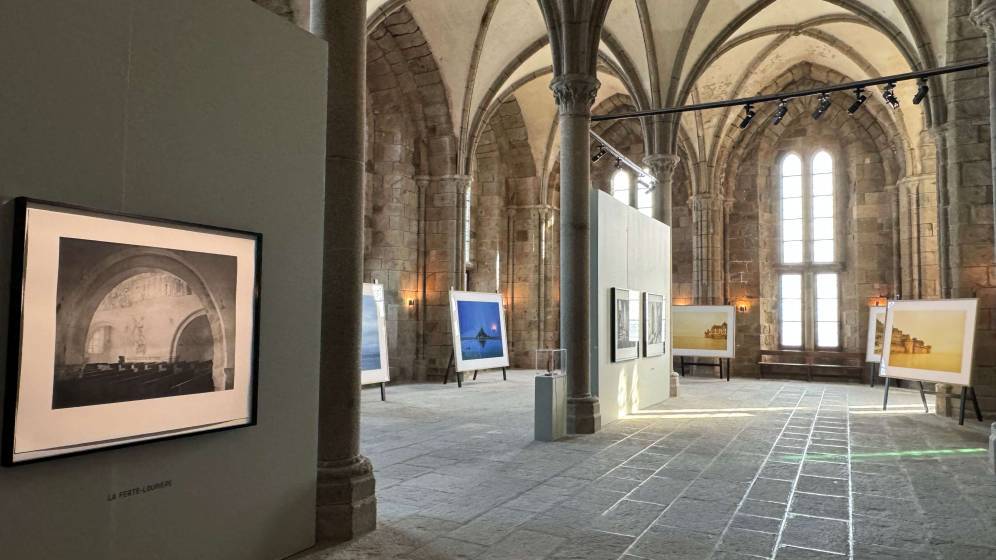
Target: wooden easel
965	393
459	374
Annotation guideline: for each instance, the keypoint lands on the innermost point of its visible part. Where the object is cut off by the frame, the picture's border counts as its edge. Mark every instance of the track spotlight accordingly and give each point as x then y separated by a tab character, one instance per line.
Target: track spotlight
890	96
822	107
780	112
921	91
749	113
598	156
859	99
618	163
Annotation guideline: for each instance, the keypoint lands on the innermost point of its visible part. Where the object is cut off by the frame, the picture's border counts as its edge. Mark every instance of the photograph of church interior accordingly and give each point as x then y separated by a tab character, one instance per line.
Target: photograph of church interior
197	195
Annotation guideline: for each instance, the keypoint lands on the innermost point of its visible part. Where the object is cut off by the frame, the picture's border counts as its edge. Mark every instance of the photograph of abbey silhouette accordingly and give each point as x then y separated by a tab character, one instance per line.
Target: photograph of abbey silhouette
931	340
136	323
703	331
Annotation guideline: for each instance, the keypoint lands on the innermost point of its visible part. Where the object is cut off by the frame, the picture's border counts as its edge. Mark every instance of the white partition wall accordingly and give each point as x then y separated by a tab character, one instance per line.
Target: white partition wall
204	111
630	251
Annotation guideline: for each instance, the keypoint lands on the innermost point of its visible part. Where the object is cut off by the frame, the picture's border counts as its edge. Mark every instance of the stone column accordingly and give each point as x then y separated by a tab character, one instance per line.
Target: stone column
984	16
574	27
346	504
575	96
708	274
662	167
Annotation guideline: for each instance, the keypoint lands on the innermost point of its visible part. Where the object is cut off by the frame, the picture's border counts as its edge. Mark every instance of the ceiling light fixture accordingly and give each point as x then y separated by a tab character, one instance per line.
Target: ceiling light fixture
859	99
598	156
890	96
748	116
618	163
822	107
780	112
921	91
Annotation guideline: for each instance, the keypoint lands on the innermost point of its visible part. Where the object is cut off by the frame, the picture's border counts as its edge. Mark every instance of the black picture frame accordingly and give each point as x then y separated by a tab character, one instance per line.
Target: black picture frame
623	354
15	215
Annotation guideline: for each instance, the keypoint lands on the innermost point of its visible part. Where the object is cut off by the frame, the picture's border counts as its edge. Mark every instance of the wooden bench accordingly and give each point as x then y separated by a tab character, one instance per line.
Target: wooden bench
819	363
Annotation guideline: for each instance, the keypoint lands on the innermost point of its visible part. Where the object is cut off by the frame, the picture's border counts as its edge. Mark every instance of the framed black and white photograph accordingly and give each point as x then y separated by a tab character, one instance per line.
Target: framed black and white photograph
625	324
653	324
373	343
125	330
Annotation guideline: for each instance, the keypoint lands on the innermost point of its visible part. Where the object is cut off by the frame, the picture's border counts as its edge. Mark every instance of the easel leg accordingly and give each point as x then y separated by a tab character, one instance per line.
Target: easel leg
961	413
504	374
383	393
871	374
885	401
923	398
475	375
448	366
459	380
681	368
729	366
975	404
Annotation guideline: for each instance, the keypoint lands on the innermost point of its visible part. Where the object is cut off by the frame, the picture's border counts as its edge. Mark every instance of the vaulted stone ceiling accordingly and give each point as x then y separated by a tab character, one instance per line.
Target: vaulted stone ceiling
672	52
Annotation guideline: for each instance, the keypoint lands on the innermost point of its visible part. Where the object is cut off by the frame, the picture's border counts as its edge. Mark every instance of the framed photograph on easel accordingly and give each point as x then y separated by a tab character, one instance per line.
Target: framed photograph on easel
374	368
931	340
876	334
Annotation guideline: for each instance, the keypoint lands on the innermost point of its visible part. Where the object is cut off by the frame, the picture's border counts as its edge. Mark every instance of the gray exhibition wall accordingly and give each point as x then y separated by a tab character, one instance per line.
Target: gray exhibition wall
630	251
210	112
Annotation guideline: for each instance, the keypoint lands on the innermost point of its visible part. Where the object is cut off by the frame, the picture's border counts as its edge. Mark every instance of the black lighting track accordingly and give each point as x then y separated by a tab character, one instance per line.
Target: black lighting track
795	94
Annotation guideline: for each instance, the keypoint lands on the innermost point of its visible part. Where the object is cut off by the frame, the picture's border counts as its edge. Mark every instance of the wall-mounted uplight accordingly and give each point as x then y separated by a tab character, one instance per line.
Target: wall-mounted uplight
743	305
878	301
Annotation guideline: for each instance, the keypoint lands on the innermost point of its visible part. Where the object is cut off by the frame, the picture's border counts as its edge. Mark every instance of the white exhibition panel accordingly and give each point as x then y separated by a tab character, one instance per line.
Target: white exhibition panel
205	112
632	251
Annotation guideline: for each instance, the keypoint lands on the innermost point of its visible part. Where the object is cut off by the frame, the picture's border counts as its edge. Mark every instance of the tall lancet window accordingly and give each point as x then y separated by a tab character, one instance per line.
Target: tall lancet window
622	184
809	293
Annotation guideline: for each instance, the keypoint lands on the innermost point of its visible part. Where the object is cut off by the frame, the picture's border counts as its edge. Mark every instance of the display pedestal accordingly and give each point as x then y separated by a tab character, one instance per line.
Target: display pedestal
551	407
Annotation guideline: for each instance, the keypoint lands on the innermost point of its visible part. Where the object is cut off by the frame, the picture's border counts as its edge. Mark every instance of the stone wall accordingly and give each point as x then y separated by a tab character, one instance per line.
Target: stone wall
412	204
966	198
865	167
510	238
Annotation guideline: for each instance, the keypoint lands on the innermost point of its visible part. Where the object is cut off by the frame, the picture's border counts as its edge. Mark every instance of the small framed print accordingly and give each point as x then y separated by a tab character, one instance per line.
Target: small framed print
653	324
125	329
625	324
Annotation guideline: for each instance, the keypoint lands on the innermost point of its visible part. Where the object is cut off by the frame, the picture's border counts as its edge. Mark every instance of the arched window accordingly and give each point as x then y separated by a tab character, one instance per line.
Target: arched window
808	291
468	245
622	183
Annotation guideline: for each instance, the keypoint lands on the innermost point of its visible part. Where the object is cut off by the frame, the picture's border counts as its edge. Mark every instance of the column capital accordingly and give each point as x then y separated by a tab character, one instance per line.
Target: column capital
664	164
575	93
701	202
983	15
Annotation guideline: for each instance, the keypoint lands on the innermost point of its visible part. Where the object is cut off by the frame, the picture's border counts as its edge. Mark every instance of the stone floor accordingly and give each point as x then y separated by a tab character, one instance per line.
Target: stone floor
745	469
